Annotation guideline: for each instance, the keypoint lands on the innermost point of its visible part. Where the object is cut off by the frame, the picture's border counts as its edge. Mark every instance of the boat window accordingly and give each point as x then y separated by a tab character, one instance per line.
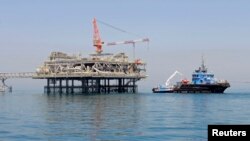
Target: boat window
195	75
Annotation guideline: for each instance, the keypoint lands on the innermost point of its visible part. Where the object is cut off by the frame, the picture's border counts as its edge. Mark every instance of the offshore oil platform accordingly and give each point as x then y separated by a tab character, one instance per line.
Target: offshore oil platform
98	73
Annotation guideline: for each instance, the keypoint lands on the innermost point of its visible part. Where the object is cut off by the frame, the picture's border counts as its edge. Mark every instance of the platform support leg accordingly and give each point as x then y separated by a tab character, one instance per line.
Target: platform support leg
60	86
67	86
48	86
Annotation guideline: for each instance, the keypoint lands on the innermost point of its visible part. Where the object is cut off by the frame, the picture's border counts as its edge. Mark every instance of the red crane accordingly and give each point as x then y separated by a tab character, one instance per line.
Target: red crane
98	42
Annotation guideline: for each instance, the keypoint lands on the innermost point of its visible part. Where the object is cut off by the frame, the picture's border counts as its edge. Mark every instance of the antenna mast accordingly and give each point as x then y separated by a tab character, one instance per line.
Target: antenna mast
203	67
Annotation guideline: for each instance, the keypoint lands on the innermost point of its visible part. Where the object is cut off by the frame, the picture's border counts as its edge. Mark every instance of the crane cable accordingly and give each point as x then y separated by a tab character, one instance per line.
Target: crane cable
123	31
116	28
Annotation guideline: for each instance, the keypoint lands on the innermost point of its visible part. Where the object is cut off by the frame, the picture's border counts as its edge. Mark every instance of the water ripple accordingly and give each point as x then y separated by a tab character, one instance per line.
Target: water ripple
31	116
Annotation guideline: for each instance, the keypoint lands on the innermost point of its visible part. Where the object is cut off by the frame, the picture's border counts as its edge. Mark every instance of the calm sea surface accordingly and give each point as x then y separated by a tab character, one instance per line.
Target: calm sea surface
114	117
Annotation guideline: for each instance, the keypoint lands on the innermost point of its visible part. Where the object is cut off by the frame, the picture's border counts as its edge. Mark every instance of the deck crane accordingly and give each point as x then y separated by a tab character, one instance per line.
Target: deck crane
171	77
98	42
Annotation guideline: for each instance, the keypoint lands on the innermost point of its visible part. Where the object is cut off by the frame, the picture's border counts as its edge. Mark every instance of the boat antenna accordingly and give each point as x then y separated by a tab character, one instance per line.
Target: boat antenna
203	67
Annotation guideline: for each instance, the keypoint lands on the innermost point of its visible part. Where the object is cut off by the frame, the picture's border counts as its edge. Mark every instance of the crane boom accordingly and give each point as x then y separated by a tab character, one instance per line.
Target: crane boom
172	76
127	42
97	42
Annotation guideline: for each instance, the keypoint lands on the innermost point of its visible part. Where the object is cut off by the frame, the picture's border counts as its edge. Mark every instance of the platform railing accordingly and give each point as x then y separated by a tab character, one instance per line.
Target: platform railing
17	75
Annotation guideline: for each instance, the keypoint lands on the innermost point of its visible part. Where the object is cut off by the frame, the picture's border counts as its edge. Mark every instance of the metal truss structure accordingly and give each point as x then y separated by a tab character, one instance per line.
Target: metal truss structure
100	73
4	76
98	65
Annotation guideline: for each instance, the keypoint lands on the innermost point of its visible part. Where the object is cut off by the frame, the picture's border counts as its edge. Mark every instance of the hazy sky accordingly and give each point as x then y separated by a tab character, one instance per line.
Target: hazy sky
180	31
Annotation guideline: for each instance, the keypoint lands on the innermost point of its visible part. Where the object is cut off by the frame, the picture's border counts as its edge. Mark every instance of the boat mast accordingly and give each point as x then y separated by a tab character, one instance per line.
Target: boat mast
203	67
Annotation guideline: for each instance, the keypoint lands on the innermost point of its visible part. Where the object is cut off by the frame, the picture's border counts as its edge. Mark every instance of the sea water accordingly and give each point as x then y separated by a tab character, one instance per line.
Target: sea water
27	115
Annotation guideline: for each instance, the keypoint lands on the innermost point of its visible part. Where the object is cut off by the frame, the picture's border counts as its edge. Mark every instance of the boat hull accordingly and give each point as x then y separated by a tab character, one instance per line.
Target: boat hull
156	90
196	88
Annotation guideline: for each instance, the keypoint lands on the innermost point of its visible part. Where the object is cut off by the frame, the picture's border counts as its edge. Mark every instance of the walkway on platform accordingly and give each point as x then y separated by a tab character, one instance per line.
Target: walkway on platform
16	75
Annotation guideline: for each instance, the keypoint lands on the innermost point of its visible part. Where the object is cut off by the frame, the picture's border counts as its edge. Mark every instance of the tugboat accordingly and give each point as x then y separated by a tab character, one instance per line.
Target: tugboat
202	82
